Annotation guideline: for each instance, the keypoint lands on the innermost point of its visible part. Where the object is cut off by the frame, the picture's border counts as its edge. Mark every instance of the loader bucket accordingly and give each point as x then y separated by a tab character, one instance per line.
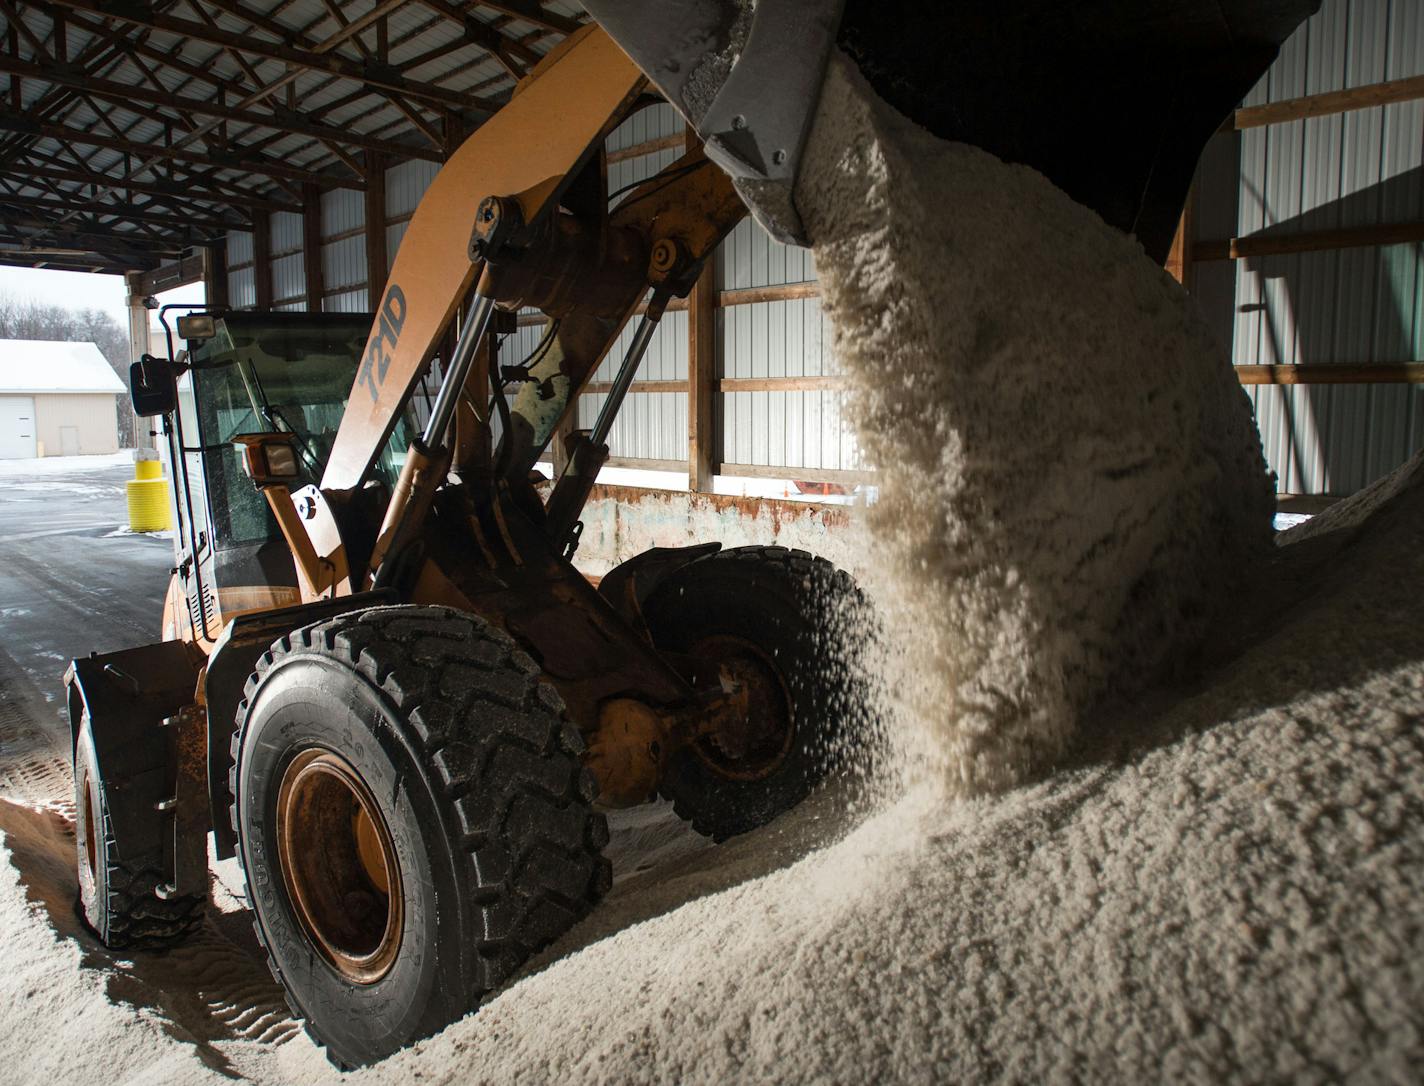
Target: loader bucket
1112	100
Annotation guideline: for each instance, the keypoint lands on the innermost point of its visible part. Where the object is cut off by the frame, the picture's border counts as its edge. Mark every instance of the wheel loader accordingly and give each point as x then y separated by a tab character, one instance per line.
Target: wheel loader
382	683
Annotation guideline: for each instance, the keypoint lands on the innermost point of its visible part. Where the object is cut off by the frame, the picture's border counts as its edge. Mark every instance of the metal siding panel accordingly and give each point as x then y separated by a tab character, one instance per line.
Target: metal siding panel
242	289
395	233
286	231
1250	217
288	278
239	246
652	123
1356	305
351	301
343	263
406	184
342	210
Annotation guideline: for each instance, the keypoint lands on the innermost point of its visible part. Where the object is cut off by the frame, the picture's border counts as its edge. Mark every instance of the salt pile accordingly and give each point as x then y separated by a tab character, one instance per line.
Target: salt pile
1224	885
1070	474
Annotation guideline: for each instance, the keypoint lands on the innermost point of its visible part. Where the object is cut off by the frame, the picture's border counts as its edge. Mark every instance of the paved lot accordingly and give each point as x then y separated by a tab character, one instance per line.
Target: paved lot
67	586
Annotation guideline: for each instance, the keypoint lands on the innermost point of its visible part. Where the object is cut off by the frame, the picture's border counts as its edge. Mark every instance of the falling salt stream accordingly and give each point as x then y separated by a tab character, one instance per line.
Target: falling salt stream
1070	477
1157	786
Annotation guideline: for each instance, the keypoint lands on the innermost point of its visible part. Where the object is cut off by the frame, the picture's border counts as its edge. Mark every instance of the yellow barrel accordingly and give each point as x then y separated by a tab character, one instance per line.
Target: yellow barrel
148	498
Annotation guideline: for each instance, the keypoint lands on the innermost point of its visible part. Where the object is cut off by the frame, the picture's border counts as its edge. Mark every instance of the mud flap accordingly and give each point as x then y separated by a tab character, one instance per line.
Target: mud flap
135	702
626	586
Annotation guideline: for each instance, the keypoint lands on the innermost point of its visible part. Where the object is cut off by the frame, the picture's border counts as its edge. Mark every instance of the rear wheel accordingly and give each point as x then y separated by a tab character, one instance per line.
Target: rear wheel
413	821
118	889
768	617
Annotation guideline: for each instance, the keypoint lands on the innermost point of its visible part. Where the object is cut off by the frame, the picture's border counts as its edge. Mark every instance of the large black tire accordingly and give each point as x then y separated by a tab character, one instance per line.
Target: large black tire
118	888
786	606
467	760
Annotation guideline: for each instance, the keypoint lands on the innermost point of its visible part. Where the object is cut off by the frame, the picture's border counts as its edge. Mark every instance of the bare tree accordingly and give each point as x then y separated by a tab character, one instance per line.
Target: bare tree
28	319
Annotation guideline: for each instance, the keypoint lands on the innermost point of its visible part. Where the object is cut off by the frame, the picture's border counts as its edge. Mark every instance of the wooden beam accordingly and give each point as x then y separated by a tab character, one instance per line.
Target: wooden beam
171	189
262	259
675	142
1334	373
532	12
96	264
103	238
257	165
129	96
645	463
782	384
175	273
729	384
1331	102
511	54
1354	237
1323	373
131	212
805	475
319	59
311	247
783	292
376	263
601	388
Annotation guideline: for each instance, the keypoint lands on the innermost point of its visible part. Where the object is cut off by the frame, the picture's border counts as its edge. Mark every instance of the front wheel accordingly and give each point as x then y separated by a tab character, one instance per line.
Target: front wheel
120	884
770	618
412	818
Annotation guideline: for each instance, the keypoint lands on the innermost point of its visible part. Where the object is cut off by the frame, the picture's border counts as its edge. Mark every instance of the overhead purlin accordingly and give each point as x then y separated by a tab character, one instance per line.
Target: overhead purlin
533	147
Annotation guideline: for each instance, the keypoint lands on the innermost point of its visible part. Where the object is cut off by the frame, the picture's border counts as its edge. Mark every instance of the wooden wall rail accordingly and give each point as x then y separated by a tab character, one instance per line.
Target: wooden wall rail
1331	102
1334	373
1317	373
1354	237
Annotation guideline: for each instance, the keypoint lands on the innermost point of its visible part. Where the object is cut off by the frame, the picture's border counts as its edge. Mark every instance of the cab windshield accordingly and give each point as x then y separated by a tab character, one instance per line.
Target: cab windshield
267	373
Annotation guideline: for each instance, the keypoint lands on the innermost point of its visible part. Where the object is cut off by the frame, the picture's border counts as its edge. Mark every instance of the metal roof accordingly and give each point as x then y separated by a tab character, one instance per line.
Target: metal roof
41	365
130	131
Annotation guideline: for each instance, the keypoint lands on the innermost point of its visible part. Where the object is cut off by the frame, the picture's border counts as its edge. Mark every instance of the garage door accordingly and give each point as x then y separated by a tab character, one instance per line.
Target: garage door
17	427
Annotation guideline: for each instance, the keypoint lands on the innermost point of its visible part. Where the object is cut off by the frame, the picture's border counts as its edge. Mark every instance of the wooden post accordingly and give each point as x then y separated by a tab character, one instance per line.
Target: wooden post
701	373
215	275
702	381
376	265
262	258
311	247
1179	256
144	435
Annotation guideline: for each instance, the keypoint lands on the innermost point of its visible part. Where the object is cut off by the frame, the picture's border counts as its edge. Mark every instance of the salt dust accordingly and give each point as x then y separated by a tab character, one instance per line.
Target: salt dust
1223	879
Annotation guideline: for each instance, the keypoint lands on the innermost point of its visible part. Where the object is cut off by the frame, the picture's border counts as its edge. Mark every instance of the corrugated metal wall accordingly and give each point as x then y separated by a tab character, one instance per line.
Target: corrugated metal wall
764	339
343	260
650	426
1360	168
1354	305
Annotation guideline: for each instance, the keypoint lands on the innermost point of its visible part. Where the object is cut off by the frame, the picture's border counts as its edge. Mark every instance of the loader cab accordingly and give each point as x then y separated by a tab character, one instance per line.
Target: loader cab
252	373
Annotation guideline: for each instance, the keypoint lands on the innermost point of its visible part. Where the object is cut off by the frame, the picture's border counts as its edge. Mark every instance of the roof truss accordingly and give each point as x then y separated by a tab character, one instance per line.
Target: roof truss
129	131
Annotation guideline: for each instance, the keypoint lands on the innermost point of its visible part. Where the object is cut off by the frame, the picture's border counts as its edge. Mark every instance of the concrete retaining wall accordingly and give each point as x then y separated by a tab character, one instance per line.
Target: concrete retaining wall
620	522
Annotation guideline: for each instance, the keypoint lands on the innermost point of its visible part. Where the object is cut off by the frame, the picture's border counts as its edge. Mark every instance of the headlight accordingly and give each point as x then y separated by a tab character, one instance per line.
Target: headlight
281	461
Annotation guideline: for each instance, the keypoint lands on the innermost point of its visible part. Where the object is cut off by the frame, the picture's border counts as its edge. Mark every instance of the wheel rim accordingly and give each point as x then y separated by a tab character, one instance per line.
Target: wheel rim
755	749
89	854
339	865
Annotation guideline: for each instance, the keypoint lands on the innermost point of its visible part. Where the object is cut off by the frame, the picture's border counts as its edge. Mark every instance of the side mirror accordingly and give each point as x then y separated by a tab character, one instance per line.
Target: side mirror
153	386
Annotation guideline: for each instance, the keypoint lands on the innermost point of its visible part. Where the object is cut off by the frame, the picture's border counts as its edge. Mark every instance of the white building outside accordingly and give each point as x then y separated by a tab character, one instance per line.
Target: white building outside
56	399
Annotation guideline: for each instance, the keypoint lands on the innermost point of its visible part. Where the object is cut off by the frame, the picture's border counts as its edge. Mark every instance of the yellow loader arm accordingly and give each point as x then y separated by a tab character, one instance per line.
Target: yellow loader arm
587	83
